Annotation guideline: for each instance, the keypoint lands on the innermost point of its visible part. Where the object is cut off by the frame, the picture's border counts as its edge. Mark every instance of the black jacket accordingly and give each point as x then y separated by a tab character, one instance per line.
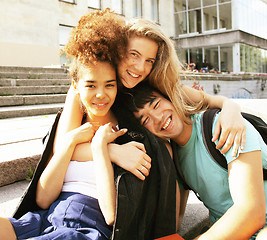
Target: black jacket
145	209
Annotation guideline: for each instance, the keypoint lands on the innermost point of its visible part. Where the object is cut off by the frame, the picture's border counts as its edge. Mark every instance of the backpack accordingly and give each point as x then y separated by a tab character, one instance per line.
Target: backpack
207	123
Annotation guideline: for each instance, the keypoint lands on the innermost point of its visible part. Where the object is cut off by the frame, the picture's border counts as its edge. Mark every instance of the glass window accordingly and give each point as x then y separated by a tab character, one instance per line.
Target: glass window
117	6
210	13
180	23
94	3
194	21
155	10
209	2
242	58
69	1
64	32
192	4
225	16
226	59
211	56
179	5
196	57
138	8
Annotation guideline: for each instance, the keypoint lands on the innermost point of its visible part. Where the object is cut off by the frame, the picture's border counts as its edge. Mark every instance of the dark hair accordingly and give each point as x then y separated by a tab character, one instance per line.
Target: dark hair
140	95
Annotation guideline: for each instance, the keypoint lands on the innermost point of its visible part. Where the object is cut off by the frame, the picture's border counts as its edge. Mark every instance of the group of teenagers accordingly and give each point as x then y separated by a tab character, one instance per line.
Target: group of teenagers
110	160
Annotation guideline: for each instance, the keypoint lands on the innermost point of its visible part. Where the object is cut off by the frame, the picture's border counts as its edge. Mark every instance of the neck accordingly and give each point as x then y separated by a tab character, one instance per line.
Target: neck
102	120
185	135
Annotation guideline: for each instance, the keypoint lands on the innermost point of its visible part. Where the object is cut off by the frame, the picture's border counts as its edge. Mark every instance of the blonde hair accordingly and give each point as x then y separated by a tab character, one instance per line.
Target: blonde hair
165	74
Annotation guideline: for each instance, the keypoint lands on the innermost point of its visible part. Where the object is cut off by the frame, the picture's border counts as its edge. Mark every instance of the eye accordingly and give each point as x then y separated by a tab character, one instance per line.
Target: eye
157	104
90	86
133	54
110	85
150	61
145	121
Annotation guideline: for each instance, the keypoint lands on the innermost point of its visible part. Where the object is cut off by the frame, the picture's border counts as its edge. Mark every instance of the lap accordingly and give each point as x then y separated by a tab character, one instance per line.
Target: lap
71	215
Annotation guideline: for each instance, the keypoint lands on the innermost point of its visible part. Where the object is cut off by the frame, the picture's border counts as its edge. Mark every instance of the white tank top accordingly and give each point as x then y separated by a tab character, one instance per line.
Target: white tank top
80	178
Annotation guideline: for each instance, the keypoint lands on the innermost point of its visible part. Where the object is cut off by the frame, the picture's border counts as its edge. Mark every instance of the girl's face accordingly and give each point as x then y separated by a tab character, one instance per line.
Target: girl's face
138	63
97	87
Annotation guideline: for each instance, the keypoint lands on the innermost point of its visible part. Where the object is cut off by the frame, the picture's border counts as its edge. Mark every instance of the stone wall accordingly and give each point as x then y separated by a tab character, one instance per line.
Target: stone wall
232	86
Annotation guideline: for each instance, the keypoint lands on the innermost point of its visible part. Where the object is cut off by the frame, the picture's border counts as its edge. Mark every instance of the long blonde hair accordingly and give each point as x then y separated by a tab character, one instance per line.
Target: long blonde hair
165	74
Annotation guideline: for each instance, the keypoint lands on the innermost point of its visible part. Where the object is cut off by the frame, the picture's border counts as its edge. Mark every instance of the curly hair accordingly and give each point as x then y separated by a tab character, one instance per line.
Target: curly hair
99	36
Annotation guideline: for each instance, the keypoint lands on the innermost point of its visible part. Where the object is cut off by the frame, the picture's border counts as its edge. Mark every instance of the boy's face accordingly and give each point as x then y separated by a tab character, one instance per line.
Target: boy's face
160	118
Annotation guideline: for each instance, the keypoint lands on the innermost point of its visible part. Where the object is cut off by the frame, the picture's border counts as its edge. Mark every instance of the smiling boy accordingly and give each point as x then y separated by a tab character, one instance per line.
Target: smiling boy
235	198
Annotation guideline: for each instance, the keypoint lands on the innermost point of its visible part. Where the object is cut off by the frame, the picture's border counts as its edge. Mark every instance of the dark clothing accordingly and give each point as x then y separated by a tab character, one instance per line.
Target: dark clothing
145	209
73	216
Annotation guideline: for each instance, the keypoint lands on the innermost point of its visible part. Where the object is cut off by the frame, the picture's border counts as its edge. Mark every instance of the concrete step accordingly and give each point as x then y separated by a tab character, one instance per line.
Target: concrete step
31	110
21	145
33	69
33	82
30	75
29	90
19	100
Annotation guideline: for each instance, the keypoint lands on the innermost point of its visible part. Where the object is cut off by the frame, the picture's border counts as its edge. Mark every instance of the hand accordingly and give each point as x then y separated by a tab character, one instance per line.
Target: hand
230	129
82	134
131	157
106	134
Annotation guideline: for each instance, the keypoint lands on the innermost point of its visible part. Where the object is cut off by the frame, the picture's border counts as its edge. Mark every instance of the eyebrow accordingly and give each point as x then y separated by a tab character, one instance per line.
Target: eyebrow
141	54
93	81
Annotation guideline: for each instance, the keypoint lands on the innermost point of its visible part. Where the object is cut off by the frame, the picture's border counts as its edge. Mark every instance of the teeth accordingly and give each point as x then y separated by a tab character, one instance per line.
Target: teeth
166	124
133	74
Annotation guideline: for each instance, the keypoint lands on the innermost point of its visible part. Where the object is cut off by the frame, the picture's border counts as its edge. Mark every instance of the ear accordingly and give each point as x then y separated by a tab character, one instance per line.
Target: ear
74	84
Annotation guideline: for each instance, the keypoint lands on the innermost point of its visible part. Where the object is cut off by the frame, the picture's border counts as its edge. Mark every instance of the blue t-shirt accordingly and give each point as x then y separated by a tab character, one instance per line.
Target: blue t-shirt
208	178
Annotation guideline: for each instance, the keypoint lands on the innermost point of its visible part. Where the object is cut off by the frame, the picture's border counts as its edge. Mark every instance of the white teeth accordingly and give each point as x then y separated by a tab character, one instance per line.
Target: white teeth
166	124
133	74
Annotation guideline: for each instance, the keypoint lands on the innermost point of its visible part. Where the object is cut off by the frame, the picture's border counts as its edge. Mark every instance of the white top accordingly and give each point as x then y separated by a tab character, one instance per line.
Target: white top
80	178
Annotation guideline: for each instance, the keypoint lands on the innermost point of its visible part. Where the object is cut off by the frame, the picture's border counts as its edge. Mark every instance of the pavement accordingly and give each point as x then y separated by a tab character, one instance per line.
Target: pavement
21	138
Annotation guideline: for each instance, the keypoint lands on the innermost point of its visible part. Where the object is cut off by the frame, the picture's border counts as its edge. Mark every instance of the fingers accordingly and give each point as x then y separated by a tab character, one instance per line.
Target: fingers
139	145
216	132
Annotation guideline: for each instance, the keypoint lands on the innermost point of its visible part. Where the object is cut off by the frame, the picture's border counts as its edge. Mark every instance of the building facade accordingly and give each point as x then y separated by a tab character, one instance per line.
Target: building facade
229	35
225	35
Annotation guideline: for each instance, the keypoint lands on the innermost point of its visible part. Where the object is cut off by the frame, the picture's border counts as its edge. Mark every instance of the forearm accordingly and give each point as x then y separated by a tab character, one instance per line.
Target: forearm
231	225
51	181
105	183
71	116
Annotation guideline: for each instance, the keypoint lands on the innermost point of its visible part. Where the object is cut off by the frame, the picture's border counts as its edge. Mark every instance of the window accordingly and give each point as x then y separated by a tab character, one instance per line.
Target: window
64	32
138	8
94	3
68	1
155	10
117	6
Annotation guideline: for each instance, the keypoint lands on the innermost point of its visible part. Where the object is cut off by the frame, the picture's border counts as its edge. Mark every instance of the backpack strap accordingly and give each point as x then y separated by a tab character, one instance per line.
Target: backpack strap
206	125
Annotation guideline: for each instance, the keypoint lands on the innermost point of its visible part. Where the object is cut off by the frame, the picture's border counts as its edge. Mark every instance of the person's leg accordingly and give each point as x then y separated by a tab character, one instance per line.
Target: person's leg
7	231
262	234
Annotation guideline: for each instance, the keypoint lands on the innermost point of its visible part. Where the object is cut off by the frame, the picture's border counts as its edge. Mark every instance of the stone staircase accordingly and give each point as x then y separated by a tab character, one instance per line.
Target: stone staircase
28	91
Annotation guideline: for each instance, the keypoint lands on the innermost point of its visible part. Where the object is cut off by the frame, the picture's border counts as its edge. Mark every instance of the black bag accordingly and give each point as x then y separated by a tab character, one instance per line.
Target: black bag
207	122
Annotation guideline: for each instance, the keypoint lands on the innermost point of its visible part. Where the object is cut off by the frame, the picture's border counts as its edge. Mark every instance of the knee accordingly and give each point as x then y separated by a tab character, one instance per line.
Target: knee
262	234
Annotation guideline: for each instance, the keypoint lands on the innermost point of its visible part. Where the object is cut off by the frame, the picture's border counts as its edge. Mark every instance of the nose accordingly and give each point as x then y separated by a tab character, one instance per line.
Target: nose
100	93
156	116
140	65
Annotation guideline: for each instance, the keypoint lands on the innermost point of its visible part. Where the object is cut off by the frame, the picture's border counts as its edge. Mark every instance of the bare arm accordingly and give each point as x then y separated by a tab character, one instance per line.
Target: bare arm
246	187
51	181
104	171
230	128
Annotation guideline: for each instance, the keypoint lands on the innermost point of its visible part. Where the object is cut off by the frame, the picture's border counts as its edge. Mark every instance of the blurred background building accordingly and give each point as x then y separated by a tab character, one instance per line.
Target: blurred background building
224	35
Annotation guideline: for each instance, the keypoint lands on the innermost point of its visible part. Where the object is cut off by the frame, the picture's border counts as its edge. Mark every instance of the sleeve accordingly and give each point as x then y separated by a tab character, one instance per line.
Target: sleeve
252	141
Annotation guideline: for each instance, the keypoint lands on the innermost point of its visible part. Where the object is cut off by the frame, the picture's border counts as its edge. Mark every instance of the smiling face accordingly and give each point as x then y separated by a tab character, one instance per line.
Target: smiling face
160	118
97	87
138	63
